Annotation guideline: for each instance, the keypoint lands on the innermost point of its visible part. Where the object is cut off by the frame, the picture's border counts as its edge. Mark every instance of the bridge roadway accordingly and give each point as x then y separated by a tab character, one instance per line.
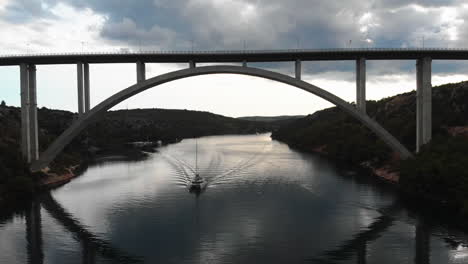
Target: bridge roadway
28	63
237	56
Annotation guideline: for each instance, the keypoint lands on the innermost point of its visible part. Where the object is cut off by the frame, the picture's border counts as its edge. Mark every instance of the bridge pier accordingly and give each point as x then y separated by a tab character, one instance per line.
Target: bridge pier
25	126
80	88
361	84
33	132
192	64
423	102
141	71
86	87
83	88
298	69
29	126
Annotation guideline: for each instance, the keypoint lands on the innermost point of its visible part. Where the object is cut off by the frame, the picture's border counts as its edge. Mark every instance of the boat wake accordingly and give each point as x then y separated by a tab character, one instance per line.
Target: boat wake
214	172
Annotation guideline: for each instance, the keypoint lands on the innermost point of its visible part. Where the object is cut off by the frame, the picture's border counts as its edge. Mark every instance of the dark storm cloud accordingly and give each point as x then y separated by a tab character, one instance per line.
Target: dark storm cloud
266	24
21	11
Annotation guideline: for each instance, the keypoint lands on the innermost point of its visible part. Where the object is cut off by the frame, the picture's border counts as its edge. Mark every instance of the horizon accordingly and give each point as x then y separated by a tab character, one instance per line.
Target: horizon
198	110
91	26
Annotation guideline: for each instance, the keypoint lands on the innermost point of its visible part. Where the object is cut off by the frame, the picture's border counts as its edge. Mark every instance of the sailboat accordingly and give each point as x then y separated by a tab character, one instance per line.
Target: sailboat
196	184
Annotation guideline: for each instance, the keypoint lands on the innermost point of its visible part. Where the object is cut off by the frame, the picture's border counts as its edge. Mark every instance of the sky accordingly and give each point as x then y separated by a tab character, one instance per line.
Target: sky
38	26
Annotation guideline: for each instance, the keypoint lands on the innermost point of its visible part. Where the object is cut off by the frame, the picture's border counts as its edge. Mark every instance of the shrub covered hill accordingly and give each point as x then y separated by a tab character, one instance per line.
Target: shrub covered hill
438	172
114	130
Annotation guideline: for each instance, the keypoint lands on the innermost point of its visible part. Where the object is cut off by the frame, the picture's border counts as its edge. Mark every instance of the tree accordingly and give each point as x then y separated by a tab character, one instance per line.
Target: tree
3	104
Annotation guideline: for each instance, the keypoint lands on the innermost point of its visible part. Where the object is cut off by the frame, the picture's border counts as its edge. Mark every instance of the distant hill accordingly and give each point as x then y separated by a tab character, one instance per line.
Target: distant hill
439	172
167	125
270	118
108	135
340	135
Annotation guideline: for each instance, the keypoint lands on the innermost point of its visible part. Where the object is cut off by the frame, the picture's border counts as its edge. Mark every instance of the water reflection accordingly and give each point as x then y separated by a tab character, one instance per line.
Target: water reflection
263	203
34	233
90	243
358	245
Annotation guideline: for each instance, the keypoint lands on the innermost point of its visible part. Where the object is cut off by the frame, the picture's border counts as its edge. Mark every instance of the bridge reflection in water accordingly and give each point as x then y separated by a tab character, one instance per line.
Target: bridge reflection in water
92	245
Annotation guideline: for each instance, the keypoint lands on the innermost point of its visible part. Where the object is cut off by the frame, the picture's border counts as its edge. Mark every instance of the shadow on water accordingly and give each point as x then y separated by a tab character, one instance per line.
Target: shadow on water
90	243
358	244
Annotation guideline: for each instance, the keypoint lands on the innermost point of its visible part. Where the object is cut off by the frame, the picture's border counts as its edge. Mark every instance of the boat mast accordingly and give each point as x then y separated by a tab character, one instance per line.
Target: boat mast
196	157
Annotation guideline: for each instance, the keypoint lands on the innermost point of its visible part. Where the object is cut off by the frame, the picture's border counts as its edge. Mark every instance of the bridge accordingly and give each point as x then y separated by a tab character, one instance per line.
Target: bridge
28	62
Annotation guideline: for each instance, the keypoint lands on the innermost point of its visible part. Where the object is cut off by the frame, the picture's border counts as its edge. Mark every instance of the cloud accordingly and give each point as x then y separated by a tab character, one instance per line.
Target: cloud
65	30
20	11
127	32
97	25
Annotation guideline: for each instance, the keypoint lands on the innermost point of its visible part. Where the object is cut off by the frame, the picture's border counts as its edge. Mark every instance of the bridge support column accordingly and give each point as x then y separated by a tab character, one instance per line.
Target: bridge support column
423	102
83	88
298	67
141	71
192	64
25	121
86	97
361	84
79	77
33	126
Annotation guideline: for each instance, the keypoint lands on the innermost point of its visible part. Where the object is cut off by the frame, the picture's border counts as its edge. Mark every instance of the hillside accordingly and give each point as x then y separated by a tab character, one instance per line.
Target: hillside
270	118
440	171
166	125
108	135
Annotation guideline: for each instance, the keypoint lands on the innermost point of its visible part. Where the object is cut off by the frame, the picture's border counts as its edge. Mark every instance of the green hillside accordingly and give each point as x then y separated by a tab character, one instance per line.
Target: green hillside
440	171
108	135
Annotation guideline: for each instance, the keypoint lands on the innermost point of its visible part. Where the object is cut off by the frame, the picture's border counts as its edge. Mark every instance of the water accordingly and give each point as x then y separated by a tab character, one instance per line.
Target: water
262	203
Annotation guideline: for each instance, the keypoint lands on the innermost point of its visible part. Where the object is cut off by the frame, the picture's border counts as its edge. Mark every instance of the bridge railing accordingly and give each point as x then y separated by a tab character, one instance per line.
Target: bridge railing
221	52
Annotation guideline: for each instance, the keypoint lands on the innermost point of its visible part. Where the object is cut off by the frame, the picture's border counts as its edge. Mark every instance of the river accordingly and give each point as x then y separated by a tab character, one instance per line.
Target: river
261	203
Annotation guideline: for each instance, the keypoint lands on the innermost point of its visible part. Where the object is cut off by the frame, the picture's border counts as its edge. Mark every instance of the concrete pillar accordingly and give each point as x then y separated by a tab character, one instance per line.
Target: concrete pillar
86	96
244	63
34	233
25	127
423	102
361	84
298	67
141	71
192	64
79	77
33	129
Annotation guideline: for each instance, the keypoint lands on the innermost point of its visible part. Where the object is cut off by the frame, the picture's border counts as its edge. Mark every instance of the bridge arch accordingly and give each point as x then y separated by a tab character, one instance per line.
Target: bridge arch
85	120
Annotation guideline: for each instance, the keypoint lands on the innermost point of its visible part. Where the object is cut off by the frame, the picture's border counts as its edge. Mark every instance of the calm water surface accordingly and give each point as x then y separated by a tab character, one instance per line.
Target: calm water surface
262	203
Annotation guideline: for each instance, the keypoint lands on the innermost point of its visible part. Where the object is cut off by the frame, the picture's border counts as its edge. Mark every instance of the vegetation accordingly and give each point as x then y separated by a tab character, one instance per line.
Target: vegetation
108	135
165	125
15	179
439	171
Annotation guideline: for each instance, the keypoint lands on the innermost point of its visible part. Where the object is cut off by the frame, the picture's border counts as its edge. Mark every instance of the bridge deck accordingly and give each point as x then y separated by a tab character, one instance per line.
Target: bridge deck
237	56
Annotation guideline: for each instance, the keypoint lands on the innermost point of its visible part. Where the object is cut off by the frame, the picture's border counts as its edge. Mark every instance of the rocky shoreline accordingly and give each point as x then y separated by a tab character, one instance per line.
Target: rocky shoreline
53	180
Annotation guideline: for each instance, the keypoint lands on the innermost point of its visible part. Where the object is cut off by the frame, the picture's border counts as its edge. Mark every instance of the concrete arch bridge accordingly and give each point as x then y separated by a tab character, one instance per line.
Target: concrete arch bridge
29	133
